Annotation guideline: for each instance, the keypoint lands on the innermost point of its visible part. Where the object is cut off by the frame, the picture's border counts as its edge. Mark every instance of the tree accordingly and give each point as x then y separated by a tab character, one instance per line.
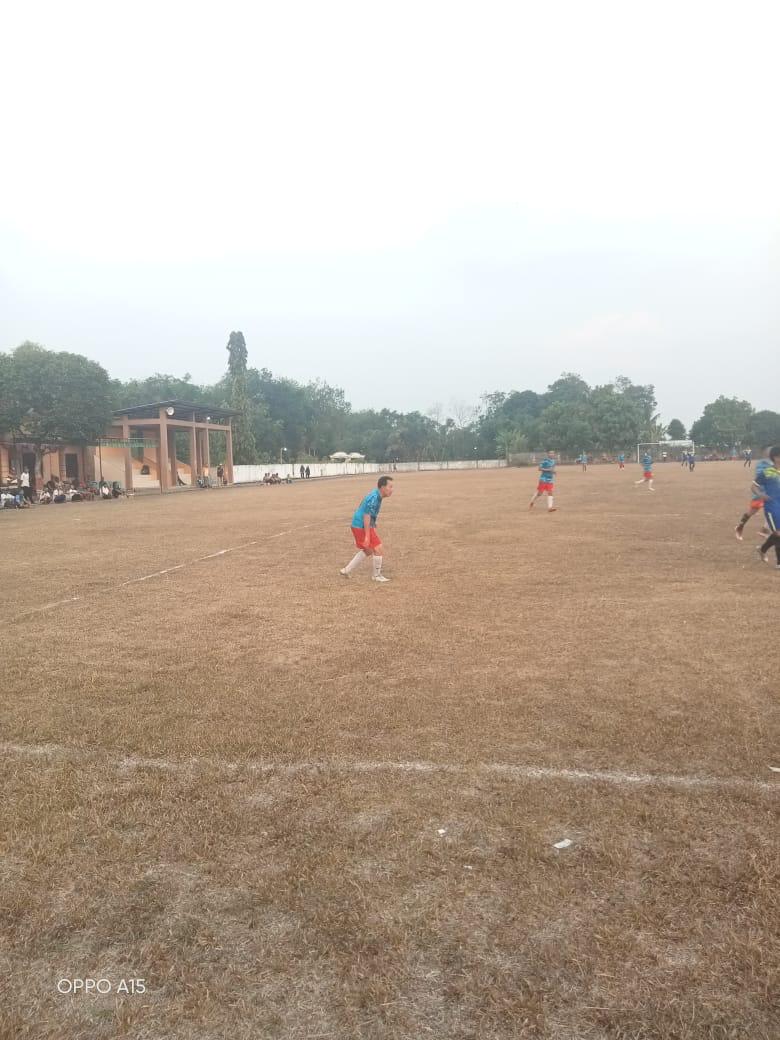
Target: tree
675	430
764	429
570	388
244	448
723	424
58	398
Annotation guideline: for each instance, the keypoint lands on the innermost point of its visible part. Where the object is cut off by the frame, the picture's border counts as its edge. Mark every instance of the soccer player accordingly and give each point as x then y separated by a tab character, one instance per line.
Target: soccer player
748	456
647	472
583	461
546	485
768	483
365	533
622	460
756	502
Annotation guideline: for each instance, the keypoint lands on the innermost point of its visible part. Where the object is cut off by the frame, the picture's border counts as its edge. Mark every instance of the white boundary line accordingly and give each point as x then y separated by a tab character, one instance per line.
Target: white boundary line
616	778
158	574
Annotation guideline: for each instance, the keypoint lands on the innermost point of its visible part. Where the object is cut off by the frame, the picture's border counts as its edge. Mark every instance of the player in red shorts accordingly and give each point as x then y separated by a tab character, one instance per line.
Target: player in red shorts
647	472
546	485
364	530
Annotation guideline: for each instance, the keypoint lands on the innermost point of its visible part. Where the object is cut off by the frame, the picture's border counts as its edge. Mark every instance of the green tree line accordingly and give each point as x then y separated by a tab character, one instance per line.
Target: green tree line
46	396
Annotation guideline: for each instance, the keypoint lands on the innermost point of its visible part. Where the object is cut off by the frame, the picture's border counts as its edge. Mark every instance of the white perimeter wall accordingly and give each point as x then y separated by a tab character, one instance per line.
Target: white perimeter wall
249	474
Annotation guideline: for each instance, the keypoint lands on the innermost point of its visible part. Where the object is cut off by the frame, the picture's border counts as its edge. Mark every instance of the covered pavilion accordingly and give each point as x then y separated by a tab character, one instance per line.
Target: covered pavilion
152	428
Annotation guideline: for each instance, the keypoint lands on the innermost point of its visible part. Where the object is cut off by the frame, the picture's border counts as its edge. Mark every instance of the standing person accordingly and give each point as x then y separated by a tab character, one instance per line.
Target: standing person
25	485
768	483
622	460
546	484
364	531
647	472
748	455
308	472
303	472
583	461
691	462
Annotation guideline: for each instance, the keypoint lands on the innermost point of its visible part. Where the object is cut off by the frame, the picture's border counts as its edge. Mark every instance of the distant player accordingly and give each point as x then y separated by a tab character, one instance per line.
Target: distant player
768	483
622	460
747	455
364	531
691	462
647	472
546	484
583	461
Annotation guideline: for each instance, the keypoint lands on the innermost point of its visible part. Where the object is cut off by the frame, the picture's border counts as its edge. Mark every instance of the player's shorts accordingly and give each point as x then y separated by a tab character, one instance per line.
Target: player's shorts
755	504
359	534
772	514
648	474
543	488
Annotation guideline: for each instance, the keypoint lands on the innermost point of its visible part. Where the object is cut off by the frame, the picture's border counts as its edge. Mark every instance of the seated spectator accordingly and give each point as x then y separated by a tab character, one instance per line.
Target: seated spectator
45	496
144	470
104	490
116	489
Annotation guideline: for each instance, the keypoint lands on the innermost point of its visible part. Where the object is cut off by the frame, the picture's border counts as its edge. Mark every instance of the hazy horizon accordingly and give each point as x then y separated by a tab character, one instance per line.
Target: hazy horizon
418	206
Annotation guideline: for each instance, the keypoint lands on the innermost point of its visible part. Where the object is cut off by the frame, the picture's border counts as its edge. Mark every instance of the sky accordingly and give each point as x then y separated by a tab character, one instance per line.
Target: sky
419	202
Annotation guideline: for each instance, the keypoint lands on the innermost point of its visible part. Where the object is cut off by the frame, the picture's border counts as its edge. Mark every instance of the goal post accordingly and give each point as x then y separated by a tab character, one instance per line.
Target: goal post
674	449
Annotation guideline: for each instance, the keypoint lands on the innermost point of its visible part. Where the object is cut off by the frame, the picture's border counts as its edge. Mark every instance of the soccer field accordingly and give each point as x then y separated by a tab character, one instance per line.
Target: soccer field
298	806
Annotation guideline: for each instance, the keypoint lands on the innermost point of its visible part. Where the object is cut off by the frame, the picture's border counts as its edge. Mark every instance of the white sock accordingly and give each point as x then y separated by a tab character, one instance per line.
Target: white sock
355	562
377	560
549	502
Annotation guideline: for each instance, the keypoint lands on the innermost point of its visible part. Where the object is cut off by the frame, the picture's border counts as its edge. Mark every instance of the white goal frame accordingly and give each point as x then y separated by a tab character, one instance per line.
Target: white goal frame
661	446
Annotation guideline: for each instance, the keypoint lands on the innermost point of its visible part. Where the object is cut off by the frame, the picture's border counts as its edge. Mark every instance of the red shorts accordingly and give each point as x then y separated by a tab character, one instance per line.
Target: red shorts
543	488
648	474
756	504
359	534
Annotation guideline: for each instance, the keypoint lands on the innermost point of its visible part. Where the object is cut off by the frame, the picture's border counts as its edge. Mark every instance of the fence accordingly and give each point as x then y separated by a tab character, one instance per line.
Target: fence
255	474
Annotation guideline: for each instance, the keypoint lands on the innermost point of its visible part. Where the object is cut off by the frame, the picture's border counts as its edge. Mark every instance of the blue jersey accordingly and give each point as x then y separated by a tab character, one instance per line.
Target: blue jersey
547	471
370	505
647	462
621	458
768	479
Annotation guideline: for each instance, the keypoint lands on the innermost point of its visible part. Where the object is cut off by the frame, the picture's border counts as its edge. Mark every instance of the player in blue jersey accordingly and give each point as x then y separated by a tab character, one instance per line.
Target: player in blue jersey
583	461
622	460
546	484
756	501
364	530
647	472
768	483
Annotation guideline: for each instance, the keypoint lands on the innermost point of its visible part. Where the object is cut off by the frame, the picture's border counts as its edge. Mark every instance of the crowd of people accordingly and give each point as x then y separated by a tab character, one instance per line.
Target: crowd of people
19	491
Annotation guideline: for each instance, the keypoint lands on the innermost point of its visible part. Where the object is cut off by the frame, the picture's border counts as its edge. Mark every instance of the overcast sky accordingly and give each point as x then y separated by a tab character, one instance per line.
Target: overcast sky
418	202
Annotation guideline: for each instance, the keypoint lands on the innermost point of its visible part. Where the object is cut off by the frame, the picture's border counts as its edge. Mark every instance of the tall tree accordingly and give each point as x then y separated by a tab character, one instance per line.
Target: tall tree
764	429
244	447
58	398
676	430
724	423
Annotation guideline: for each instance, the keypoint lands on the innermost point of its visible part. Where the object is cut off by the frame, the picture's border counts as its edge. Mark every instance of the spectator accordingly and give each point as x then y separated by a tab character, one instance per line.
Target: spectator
303	472
221	473
308	472
25	484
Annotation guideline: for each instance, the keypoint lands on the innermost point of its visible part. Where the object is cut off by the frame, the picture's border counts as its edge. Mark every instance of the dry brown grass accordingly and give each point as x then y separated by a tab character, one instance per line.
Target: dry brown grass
203	781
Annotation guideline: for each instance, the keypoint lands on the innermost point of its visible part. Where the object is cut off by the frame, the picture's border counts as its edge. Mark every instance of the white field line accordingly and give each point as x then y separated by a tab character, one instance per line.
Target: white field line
617	778
158	574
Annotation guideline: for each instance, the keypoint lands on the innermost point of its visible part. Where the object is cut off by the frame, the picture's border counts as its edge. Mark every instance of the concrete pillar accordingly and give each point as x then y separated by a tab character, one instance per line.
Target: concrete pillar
229	459
162	452
194	460
206	450
128	455
172	457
